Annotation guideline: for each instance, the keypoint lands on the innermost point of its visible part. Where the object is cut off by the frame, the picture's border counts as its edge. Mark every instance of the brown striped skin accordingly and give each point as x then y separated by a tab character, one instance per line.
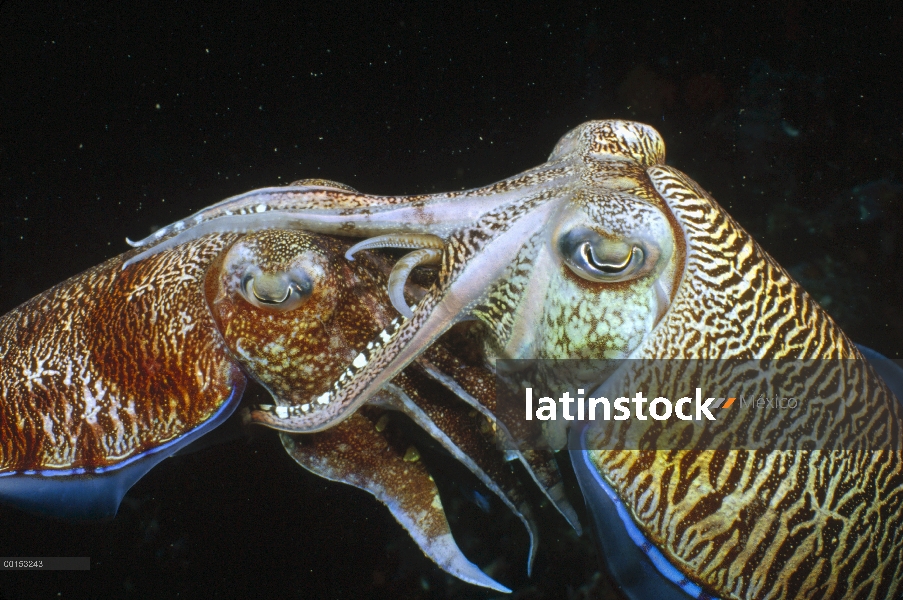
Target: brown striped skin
765	525
111	363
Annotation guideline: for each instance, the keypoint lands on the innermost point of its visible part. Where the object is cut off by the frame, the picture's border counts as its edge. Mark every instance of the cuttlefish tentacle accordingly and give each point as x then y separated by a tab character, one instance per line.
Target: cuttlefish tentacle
427	251
359	452
402	270
402	241
466	439
476	387
326	209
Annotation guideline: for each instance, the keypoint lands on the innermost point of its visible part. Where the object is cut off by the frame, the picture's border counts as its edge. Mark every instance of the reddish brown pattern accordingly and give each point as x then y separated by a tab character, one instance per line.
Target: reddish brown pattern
111	363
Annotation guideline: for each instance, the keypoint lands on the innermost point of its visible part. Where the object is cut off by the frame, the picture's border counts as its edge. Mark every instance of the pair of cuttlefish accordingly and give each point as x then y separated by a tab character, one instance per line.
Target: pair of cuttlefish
603	253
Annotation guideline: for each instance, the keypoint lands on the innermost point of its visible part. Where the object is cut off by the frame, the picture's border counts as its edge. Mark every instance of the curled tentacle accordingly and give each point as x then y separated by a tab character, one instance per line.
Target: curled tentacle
428	251
404	241
399	276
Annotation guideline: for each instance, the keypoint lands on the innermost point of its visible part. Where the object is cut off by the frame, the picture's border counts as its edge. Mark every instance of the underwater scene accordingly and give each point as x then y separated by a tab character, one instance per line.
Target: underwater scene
277	280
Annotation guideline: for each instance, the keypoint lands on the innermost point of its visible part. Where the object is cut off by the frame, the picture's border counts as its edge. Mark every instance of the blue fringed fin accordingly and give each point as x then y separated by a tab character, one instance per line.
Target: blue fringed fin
96	495
640	570
889	370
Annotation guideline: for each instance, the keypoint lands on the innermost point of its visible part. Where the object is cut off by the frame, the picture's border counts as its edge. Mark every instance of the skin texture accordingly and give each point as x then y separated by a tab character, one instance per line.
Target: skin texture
115	362
106	374
740	524
120	367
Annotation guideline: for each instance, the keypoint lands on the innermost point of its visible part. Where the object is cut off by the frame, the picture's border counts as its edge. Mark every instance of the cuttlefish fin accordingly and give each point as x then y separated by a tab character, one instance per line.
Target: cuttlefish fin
639	568
889	370
467	437
358	452
77	494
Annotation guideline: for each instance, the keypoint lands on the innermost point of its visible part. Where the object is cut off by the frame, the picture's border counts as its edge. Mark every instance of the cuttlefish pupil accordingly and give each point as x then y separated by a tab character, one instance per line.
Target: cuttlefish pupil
589	256
595	258
279	291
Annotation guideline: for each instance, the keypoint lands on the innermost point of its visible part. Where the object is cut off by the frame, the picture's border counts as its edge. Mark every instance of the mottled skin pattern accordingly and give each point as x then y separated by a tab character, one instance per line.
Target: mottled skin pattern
296	351
765	525
361	451
112	363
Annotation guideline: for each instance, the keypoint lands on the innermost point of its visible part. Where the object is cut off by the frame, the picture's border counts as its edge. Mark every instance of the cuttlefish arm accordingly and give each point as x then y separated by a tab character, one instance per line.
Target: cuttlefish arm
361	451
105	375
476	386
465	434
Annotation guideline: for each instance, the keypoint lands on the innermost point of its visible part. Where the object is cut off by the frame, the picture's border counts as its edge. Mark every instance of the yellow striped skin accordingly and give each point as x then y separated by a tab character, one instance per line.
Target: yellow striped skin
759	524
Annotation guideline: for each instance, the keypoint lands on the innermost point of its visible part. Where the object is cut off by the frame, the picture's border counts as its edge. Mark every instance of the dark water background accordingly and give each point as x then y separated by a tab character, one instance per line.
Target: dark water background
116	120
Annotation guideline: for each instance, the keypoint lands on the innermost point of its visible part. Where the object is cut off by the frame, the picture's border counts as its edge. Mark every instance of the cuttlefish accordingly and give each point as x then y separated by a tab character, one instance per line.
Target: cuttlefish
606	253
108	373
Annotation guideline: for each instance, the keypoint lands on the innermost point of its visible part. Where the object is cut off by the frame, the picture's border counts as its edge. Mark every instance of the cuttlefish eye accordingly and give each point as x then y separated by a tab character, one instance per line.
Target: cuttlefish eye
595	258
276	291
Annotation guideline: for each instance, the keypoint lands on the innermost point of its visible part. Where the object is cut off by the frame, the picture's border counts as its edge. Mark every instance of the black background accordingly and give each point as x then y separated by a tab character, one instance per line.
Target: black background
115	120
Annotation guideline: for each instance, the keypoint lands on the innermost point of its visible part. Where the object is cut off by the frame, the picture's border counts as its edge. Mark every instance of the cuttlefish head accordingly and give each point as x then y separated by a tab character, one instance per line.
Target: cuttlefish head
593	279
578	257
293	311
